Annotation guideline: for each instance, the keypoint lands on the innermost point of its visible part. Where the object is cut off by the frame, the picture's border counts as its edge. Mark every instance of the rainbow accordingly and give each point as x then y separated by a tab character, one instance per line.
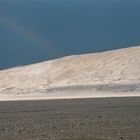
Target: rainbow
30	36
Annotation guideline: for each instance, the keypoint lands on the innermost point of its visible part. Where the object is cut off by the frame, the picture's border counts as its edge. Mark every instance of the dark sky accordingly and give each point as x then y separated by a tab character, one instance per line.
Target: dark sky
37	30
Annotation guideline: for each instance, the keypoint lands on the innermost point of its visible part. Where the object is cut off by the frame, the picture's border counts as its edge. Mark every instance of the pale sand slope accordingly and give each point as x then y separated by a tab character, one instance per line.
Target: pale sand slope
107	74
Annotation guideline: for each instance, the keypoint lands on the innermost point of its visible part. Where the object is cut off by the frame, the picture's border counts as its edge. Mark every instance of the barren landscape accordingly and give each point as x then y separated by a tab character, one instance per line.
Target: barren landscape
76	119
90	96
107	74
69	69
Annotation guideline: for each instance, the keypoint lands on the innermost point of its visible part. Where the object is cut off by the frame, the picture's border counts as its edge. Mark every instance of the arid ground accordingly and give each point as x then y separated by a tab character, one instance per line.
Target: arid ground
71	119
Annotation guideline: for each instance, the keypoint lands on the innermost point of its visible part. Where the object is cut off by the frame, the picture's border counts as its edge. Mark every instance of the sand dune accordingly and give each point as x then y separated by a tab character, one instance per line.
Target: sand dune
111	73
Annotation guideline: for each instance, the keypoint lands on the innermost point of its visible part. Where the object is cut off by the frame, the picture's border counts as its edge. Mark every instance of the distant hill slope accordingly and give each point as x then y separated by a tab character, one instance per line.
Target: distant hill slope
112	67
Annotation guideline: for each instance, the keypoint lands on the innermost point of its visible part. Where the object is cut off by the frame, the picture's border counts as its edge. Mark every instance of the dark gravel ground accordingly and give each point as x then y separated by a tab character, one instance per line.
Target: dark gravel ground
74	119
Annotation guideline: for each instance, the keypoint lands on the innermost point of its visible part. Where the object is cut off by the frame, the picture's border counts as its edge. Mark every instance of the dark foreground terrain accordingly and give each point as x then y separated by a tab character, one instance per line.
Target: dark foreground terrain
75	119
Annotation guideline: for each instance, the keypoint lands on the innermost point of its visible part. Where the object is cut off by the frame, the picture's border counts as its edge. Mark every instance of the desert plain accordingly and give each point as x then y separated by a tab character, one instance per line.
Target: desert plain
91	96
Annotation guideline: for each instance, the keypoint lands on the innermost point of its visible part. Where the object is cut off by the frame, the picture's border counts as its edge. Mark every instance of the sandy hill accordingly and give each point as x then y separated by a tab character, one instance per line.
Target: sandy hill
120	67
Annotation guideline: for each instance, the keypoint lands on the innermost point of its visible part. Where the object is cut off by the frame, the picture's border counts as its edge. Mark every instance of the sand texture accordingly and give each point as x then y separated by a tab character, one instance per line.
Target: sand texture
111	73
